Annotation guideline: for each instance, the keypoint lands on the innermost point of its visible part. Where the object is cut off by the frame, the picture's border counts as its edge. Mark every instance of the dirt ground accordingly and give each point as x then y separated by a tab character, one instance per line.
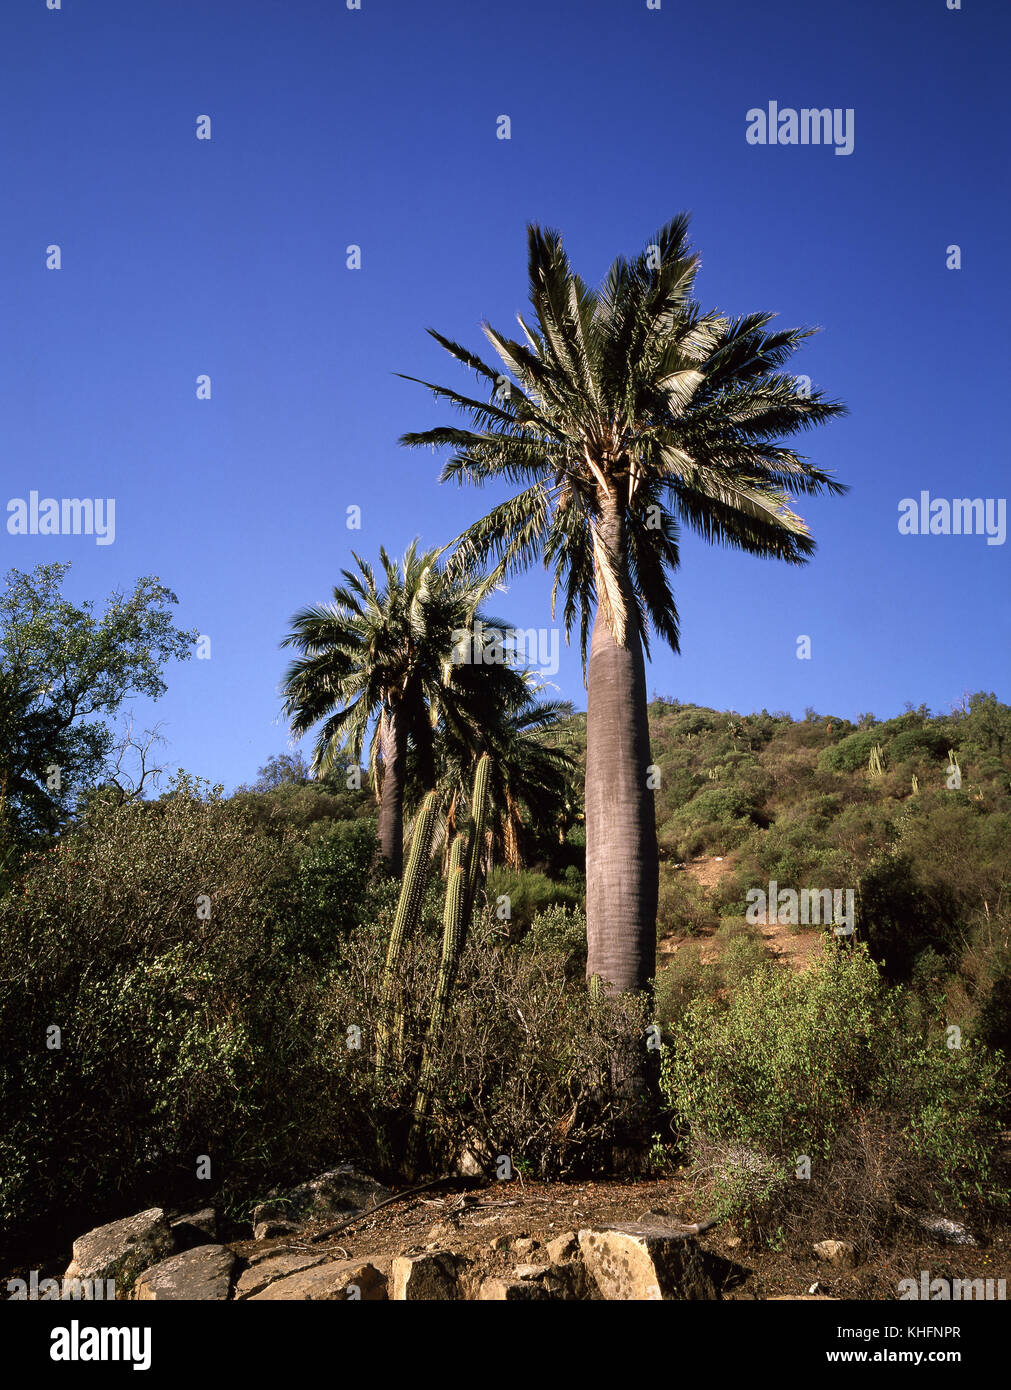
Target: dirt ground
467	1218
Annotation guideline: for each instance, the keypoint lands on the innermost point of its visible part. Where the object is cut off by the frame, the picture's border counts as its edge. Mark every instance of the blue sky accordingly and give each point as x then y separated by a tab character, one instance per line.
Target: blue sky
378	127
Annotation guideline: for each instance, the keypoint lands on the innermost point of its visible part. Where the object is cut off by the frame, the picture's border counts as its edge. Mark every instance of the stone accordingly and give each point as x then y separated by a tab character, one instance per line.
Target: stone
428	1277
267	1230
195	1228
642	1262
525	1245
265	1272
511	1290
947	1230
347	1280
122	1249
840	1253
338	1192
530	1271
563	1248
203	1274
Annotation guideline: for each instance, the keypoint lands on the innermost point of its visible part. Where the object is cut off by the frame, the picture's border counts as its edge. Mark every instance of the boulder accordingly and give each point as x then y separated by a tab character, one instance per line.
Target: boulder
195	1228
122	1249
267	1271
428	1277
645	1262
268	1230
203	1274
563	1248
347	1280
951	1232
842	1254
338	1192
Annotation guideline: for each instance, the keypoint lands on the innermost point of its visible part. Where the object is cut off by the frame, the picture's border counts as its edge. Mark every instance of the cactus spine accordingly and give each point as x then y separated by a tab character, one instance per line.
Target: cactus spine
462	883
412	892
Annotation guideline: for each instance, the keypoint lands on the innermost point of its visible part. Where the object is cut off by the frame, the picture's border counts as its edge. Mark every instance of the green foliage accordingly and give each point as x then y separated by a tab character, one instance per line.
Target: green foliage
788	1062
63	672
529	892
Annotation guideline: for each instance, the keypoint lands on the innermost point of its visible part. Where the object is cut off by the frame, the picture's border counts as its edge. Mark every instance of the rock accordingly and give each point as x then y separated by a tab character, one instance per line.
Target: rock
511	1290
203	1274
267	1230
195	1228
427	1277
530	1271
524	1245
646	1262
501	1242
563	1248
840	1253
267	1271
339	1192
122	1249
347	1280
947	1230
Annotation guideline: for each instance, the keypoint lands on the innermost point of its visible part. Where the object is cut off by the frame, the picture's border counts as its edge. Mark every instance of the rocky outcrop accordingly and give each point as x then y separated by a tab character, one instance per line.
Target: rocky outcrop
648	1263
203	1274
432	1276
336	1193
122	1249
357	1280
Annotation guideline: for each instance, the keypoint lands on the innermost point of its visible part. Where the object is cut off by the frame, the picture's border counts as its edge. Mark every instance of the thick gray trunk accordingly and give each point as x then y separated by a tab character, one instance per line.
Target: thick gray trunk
391	806
621	851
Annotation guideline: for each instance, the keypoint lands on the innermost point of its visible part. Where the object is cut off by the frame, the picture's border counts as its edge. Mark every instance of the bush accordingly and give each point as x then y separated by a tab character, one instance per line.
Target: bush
529	893
560	932
796	1064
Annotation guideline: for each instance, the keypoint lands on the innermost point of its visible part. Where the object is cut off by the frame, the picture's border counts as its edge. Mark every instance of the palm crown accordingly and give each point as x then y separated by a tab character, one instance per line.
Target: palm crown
631	399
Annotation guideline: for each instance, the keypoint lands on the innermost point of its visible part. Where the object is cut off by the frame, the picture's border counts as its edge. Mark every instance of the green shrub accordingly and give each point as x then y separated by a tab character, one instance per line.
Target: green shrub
791	1064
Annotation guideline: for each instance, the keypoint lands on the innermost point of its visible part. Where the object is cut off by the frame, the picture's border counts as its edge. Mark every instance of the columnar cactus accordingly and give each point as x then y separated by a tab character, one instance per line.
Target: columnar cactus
412	893
461	890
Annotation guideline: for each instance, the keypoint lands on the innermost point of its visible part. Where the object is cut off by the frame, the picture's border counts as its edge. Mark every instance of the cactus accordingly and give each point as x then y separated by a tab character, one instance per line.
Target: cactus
461	890
874	762
412	892
916	784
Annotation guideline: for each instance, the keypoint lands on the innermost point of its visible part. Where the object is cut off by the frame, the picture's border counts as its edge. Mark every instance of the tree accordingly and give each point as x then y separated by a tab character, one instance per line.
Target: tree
498	713
63	672
626	412
379	659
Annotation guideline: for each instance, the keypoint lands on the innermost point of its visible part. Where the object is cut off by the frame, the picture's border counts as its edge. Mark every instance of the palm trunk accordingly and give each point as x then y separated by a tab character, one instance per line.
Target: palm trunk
391	807
622	870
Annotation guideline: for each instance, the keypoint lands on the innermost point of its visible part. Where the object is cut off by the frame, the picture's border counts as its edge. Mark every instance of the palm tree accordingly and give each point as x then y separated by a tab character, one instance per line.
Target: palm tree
528	779
380	657
626	412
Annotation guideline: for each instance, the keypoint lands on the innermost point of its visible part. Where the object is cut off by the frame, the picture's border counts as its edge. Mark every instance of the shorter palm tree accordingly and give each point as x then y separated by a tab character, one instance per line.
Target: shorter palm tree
376	668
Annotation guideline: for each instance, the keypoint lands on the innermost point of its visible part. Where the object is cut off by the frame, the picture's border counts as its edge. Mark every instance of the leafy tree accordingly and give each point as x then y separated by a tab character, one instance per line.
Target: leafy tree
626	412
64	671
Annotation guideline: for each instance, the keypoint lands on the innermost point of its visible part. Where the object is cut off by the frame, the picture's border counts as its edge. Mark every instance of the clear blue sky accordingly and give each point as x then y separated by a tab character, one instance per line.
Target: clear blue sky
378	127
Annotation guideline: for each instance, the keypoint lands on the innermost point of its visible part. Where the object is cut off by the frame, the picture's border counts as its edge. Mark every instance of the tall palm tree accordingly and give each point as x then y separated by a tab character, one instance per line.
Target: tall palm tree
625	412
379	657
